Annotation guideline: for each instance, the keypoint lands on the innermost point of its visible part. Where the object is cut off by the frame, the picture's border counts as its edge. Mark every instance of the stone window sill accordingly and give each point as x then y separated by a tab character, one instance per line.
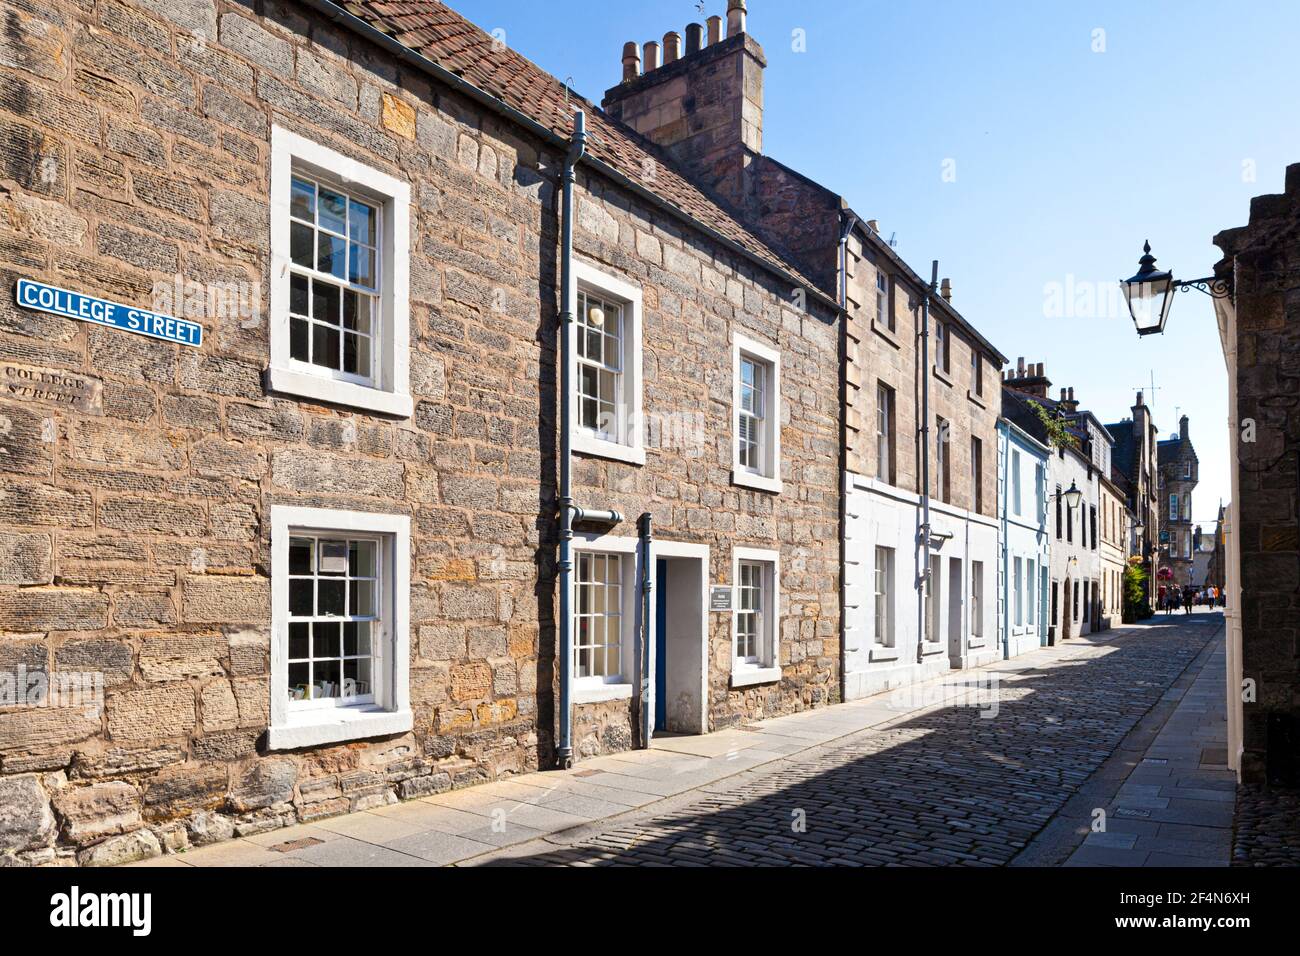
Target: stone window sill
976	399
311	728
749	676
598	693
747	479
884	332
602	448
942	376
291	382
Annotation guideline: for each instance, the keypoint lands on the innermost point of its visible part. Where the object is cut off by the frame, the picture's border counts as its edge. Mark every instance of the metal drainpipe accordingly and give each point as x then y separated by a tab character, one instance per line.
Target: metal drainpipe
647	635
577	147
925	455
849	226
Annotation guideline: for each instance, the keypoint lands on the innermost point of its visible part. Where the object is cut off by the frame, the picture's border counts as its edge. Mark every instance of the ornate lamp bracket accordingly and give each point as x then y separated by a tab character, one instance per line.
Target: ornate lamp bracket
1214	287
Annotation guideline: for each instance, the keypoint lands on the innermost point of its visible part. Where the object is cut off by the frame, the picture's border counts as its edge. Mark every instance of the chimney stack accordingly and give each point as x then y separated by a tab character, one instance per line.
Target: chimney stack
703	102
1028	378
672	47
631	62
1068	403
945	290
694	38
1182	428
735	17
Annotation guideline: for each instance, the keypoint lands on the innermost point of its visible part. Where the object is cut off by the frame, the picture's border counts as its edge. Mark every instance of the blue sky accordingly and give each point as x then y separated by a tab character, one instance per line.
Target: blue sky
1065	148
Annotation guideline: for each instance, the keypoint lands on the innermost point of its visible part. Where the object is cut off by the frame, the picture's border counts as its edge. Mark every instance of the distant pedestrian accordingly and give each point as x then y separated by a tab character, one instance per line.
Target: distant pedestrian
1188	595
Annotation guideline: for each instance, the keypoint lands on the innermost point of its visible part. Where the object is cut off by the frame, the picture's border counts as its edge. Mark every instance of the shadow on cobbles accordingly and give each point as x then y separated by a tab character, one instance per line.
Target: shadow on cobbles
949	787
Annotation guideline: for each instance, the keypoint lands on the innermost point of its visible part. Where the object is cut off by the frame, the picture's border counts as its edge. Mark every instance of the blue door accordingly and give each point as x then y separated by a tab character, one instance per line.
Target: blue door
661	645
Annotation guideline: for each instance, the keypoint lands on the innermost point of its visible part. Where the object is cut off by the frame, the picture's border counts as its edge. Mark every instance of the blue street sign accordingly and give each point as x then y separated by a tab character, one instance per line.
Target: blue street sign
74	305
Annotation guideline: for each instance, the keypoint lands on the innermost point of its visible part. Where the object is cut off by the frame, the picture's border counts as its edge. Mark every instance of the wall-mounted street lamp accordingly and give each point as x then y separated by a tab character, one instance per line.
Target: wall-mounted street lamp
1072	495
1149	294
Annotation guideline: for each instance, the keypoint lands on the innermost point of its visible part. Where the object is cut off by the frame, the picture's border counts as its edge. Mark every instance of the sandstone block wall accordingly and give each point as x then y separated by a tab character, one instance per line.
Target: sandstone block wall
135	491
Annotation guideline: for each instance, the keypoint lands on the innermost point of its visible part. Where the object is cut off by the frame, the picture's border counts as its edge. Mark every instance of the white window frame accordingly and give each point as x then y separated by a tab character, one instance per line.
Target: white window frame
886	399
390	391
593	689
390	712
976	599
885	634
1173	507
767	669
768	478
884	299
1015	482
629	446
1018	594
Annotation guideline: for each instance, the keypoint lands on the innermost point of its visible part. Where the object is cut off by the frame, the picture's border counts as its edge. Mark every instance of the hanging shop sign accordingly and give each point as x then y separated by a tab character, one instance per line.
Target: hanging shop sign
126	318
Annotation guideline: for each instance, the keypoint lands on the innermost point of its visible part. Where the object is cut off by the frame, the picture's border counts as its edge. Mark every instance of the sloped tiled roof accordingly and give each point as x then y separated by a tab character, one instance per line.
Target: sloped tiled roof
444	37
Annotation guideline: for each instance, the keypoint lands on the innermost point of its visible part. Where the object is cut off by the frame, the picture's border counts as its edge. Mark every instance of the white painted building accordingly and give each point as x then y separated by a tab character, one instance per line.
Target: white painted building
1024	565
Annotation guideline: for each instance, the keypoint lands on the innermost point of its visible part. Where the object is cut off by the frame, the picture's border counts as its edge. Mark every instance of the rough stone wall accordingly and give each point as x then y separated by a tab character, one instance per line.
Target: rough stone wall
1266	255
137	480
875	354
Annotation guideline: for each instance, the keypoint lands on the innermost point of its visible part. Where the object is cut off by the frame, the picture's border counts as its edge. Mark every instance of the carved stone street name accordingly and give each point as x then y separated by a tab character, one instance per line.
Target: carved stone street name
50	386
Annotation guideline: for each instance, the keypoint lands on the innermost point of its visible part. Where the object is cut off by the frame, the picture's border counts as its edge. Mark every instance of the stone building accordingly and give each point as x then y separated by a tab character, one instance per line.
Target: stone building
1074	592
1179	473
1134	458
1024	565
1113	530
705	108
1259	327
304	530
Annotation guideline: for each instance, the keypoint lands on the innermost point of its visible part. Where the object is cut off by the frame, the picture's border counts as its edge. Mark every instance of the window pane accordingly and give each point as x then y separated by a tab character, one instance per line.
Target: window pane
301	245
325	346
333	210
300	550
329	596
300	598
362	598
298	295
362	222
356	311
356	678
298	339
326	679
299	644
302	199
356	638
325	639
356	354
361	265
331	254
325	302
361	559
299	678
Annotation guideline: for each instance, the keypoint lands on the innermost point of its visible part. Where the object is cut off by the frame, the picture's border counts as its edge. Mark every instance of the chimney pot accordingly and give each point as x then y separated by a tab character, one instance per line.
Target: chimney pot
714	24
945	290
1064	396
672	47
631	61
1038	369
873	226
735	17
694	38
1020	367
651	56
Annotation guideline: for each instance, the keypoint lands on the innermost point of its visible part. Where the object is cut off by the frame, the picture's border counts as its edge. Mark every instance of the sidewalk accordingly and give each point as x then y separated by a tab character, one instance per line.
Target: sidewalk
546	809
1176	806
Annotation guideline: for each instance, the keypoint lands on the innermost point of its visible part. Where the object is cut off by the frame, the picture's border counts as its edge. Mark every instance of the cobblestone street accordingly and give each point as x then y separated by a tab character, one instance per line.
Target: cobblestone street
907	778
945	787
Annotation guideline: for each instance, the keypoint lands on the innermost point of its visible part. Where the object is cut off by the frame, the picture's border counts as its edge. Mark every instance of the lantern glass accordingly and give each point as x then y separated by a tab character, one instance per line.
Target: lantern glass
1073	496
1149	294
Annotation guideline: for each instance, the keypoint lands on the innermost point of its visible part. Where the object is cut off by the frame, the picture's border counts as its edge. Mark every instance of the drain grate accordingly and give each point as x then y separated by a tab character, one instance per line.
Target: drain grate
585	773
1155	760
1130	812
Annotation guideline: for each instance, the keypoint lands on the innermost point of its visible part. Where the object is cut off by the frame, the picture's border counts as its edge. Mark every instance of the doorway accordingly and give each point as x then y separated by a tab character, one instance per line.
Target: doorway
679	663
956	594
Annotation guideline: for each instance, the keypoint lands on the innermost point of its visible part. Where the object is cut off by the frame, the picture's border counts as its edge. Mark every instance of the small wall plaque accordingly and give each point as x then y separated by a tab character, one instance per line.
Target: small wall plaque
720	597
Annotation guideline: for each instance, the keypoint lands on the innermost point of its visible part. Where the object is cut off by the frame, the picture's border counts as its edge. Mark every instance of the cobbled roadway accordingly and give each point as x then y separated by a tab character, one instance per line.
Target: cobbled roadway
945	787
